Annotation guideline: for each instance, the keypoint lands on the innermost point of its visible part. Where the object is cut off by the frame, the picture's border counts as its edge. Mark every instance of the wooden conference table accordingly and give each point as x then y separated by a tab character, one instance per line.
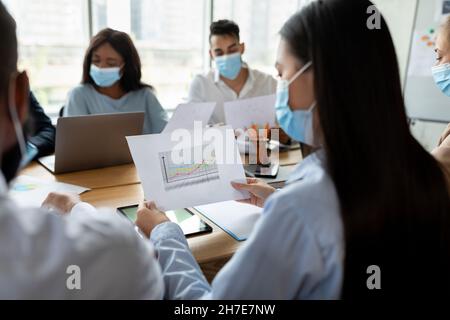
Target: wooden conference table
120	186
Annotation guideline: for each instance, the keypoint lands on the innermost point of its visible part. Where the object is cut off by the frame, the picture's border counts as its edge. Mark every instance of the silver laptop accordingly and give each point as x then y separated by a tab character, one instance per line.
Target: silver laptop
93	141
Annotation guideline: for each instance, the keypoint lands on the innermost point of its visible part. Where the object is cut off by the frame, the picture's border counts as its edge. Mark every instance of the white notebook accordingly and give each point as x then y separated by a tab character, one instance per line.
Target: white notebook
237	219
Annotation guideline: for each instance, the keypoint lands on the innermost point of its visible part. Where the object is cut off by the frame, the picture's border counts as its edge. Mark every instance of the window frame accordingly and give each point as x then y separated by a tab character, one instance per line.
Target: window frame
208	18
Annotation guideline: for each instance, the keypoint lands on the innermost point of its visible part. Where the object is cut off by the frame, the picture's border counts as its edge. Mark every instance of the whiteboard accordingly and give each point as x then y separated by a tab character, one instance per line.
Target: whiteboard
399	15
423	98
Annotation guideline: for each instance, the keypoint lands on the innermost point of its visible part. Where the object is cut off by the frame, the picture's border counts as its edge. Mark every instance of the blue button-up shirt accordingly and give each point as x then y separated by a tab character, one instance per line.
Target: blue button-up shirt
296	250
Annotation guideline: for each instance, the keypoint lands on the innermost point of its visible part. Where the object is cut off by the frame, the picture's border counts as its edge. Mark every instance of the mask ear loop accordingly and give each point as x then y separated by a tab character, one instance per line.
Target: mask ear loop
300	72
14	115
283	83
313	106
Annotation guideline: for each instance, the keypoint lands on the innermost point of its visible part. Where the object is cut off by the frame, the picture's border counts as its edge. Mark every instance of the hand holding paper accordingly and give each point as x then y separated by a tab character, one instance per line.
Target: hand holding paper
62	202
259	191
31	192
148	217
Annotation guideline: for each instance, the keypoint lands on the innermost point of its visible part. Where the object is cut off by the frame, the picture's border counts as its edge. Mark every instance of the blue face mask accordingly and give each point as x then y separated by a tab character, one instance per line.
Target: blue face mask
441	75
104	77
229	66
10	160
297	124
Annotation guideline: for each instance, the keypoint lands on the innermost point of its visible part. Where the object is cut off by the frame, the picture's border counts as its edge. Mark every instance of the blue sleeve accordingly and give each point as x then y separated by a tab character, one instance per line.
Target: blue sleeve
76	104
280	260
183	279
157	116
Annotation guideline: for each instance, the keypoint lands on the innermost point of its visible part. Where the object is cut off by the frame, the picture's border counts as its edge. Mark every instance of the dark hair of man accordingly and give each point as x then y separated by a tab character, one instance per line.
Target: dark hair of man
224	28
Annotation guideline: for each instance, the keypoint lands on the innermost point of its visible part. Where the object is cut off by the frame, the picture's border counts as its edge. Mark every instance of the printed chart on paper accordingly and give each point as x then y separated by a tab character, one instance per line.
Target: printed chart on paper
178	175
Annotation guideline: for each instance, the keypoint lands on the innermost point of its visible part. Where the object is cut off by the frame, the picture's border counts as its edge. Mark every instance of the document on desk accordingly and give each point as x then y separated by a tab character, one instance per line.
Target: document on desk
237	219
30	192
244	113
185	170
186	114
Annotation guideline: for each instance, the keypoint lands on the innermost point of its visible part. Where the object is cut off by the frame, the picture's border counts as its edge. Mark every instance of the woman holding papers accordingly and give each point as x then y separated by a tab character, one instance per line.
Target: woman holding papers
112	82
367	214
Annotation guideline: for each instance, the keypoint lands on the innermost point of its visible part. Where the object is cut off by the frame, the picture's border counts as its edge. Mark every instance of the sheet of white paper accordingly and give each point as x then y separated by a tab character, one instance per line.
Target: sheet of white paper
243	113
237	219
423	56
185	115
204	178
29	191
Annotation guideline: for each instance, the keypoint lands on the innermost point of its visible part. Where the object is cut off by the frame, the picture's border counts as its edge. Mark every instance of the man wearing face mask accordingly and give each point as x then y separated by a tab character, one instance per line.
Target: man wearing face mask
231	78
66	250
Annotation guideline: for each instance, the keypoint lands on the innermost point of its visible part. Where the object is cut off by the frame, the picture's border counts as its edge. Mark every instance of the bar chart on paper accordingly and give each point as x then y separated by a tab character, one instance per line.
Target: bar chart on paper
178	175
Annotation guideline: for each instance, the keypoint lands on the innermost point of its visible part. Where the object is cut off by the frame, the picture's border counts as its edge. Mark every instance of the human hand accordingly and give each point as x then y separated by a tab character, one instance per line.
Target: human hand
62	202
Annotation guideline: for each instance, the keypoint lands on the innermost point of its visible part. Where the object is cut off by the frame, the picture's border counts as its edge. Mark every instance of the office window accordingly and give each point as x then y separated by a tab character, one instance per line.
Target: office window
259	22
52	36
169	36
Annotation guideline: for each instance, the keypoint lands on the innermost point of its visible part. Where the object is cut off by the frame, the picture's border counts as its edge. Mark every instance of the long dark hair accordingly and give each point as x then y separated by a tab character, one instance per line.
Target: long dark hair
393	195
122	43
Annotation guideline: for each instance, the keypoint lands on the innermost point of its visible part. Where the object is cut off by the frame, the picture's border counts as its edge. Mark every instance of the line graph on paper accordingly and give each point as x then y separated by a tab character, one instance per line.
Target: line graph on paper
179	175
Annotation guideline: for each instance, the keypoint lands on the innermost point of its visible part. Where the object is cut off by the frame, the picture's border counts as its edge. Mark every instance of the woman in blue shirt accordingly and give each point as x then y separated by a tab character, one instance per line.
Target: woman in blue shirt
112	82
366	215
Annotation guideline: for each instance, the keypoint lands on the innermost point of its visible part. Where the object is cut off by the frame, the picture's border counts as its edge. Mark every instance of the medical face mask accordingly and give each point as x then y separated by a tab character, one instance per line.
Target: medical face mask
104	77
297	124
11	159
229	66
441	75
